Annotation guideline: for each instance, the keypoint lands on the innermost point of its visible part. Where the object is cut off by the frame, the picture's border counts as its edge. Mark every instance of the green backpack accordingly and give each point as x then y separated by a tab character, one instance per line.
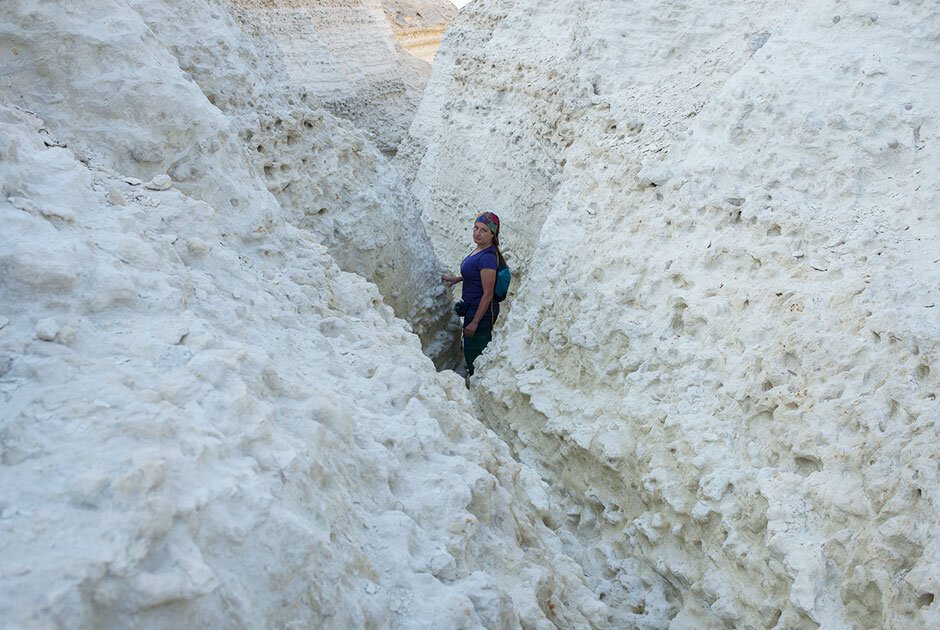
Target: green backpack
503	278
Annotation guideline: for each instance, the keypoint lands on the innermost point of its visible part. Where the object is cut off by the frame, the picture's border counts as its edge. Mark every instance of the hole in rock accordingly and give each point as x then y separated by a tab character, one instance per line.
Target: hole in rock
807	465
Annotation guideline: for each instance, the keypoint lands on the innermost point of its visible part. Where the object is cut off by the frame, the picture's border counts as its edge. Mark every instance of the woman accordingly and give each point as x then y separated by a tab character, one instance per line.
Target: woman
478	274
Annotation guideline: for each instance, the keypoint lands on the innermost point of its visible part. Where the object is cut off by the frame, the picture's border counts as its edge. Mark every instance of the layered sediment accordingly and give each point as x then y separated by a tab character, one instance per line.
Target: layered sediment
419	24
350	57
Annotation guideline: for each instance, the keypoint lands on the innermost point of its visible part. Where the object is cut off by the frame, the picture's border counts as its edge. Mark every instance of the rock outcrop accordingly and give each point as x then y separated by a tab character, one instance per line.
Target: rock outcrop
347	55
725	346
205	422
419	24
257	123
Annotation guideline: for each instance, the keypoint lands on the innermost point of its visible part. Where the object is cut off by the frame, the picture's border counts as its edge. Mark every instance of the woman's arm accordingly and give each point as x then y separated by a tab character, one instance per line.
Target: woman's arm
451	280
488	279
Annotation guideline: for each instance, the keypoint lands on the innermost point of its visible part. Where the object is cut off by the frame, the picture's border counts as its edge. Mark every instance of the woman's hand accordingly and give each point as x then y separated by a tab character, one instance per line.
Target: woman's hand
470	329
451	280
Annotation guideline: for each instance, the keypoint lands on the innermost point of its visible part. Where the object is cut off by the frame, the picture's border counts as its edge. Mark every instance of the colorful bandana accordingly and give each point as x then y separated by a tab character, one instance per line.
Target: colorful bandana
490	220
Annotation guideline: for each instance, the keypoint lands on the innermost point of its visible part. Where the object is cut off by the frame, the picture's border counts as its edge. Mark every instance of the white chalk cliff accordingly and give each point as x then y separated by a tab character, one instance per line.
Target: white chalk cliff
191	111
354	55
724	348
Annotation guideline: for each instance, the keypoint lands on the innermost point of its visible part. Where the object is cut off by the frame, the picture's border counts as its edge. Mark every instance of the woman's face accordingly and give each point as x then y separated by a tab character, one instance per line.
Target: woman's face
482	235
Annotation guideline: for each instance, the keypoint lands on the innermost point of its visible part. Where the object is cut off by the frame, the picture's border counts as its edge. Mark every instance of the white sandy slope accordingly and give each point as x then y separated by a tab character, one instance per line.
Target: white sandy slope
204	422
725	345
148	94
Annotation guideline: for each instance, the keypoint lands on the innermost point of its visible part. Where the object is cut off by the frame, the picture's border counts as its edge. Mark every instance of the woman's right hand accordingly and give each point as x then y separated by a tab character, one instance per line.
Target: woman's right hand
450	280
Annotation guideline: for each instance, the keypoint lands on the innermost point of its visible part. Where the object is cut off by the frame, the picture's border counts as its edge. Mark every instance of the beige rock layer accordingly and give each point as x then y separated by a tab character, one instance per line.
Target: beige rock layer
419	24
347	55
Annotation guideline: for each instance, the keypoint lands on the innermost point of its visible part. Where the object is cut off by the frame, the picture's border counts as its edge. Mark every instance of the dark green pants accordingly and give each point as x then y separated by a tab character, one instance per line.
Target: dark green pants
473	346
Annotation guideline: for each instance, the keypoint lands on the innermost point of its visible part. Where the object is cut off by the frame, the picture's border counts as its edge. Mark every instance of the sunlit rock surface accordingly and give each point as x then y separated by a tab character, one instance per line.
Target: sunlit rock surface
204	422
348	55
419	24
725	343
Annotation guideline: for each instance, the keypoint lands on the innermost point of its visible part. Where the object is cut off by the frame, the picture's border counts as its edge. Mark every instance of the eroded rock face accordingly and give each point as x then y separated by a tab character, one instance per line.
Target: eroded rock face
726	339
347	55
205	422
419	24
327	177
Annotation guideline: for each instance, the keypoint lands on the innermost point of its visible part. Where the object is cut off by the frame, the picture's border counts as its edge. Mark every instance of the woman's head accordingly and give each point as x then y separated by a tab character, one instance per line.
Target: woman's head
486	229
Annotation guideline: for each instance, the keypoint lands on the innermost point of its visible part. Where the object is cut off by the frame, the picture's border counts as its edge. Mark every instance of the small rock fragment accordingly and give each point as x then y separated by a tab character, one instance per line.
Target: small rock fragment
653	175
198	246
146	154
160	182
872	66
66	335
115	198
46	329
79	155
21	203
58	213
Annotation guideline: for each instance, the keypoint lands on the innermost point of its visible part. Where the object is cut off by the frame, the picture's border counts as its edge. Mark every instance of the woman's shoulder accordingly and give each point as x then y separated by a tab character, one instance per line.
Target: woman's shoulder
483	254
489	254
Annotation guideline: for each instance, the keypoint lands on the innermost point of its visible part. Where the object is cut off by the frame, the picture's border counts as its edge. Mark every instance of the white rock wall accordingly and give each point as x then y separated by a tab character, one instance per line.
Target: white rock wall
724	349
347	55
204	422
326	175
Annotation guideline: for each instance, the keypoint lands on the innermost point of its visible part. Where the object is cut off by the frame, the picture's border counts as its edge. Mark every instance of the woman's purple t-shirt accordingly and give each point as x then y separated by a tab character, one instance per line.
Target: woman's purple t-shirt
473	286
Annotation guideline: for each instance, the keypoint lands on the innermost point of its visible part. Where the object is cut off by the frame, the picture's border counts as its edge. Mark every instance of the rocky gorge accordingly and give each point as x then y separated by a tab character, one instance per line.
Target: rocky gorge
224	347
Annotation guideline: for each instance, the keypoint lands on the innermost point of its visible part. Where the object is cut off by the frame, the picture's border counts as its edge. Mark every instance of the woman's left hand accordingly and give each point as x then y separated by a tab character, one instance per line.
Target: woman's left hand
470	329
